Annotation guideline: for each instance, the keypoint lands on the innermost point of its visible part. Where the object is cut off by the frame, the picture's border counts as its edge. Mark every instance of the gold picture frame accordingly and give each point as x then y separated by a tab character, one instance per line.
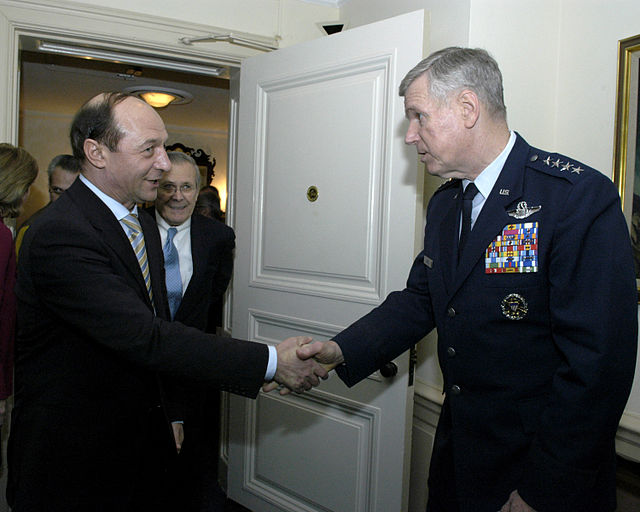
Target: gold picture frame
626	158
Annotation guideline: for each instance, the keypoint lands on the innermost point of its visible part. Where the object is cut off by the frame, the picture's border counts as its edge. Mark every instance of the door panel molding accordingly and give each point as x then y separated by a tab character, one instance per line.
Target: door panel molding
272	475
282	260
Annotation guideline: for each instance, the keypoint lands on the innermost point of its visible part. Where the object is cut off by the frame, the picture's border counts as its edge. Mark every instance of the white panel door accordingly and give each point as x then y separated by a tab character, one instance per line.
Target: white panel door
325	210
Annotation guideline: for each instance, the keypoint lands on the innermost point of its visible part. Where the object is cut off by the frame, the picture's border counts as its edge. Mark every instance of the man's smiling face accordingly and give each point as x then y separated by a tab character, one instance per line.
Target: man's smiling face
177	193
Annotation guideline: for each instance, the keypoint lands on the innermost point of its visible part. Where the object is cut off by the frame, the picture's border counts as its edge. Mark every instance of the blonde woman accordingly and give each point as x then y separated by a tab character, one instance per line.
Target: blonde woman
18	170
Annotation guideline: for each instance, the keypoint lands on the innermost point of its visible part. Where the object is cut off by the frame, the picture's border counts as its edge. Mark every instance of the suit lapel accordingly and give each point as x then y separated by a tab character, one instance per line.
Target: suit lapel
507	190
156	263
198	260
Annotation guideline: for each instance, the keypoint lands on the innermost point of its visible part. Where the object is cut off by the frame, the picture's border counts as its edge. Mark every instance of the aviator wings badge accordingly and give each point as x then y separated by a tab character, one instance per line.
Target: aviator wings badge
523	210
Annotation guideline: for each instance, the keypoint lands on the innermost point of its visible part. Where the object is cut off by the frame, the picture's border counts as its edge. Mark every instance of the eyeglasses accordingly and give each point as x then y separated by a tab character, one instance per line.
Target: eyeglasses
170	188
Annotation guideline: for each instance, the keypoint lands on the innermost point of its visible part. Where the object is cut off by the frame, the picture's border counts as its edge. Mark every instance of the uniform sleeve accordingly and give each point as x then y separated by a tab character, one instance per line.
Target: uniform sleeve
402	320
593	306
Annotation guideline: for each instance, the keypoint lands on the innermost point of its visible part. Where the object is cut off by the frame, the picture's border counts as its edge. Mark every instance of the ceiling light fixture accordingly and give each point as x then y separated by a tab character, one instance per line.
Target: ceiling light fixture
160	97
128	58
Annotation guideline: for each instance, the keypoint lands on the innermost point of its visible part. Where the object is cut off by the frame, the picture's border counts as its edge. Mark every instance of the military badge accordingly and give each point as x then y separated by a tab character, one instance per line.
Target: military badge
523	210
514	307
515	250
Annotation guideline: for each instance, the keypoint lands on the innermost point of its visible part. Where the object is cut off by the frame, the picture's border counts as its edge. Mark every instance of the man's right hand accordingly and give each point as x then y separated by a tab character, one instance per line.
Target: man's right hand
294	373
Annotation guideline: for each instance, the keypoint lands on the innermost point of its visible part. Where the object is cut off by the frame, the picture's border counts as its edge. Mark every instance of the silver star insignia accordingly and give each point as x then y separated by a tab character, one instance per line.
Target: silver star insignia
547	160
556	163
566	167
577	170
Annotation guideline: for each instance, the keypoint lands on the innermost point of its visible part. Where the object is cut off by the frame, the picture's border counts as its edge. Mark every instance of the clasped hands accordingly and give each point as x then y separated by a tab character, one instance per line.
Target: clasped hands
302	364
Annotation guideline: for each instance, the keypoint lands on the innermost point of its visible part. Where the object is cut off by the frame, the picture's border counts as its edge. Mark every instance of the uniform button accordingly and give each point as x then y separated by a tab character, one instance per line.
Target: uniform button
451	312
455	389
533	158
451	351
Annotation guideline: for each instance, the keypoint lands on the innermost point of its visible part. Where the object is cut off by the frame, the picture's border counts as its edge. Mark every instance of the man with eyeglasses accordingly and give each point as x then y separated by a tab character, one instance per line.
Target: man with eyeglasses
199	275
62	171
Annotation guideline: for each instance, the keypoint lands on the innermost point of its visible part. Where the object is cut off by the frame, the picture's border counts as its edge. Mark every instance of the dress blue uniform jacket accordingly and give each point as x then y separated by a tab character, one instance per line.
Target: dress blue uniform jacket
537	365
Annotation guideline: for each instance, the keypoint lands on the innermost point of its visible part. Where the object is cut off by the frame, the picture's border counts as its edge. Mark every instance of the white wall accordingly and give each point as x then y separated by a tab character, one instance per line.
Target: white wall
448	20
559	61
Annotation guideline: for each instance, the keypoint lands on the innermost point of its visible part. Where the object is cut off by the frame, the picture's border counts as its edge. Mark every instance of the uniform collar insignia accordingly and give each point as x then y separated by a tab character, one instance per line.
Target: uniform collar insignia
523	210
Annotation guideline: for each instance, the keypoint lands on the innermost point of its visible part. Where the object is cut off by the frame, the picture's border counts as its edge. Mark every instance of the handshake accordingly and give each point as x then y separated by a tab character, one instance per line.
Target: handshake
301	364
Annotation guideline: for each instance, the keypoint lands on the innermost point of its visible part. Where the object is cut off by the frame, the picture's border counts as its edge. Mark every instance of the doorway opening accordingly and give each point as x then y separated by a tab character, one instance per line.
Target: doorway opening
53	86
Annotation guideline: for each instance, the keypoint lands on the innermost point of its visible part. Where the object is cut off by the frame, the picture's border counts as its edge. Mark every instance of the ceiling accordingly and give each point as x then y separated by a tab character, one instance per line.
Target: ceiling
60	84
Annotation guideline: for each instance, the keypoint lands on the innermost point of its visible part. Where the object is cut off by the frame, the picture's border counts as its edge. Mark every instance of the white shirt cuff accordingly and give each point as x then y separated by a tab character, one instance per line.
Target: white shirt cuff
272	366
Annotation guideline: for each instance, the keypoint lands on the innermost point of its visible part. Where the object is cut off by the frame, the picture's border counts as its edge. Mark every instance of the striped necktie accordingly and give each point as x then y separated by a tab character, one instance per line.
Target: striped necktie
136	238
172	272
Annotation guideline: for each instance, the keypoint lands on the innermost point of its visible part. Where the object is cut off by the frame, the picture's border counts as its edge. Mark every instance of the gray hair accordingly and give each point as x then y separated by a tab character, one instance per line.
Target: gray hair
178	157
452	69
65	162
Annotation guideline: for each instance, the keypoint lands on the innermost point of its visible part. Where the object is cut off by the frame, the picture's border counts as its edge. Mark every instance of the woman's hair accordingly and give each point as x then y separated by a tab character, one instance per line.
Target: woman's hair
18	170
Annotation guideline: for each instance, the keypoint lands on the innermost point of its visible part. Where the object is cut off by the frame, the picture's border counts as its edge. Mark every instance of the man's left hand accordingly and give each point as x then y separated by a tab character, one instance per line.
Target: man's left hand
178	435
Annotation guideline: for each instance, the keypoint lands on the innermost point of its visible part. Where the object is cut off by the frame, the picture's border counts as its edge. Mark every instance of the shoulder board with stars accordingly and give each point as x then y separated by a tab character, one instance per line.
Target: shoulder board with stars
557	165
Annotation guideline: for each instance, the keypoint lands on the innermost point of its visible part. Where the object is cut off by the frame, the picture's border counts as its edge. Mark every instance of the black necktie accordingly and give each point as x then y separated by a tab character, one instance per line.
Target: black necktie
467	204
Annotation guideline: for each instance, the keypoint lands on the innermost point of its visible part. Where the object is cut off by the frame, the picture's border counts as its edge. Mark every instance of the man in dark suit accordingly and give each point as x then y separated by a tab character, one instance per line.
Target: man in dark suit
536	313
205	256
95	351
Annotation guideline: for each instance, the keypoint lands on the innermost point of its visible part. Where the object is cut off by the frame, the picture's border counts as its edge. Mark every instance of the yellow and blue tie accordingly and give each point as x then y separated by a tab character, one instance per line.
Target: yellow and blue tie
136	238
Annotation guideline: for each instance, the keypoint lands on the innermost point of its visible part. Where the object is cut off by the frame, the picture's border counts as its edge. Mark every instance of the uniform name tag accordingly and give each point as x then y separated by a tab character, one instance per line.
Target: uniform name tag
515	250
428	261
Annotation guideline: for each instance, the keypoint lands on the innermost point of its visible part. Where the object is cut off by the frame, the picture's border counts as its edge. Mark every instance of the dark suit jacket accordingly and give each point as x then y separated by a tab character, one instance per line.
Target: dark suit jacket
91	357
212	244
532	403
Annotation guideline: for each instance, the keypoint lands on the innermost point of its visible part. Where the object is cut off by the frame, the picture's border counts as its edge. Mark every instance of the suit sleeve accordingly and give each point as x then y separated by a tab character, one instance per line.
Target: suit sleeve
593	309
402	320
82	281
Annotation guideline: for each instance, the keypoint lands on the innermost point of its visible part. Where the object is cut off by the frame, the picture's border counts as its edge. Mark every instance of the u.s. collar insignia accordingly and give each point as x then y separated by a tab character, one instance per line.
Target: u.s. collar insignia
523	210
514	307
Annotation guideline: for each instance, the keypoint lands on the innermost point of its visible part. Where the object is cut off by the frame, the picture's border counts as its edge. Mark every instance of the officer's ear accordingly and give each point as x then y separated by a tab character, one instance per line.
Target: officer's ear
469	106
94	152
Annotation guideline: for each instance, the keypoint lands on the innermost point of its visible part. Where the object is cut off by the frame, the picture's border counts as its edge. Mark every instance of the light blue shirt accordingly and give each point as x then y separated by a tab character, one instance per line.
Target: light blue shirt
120	212
487	179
